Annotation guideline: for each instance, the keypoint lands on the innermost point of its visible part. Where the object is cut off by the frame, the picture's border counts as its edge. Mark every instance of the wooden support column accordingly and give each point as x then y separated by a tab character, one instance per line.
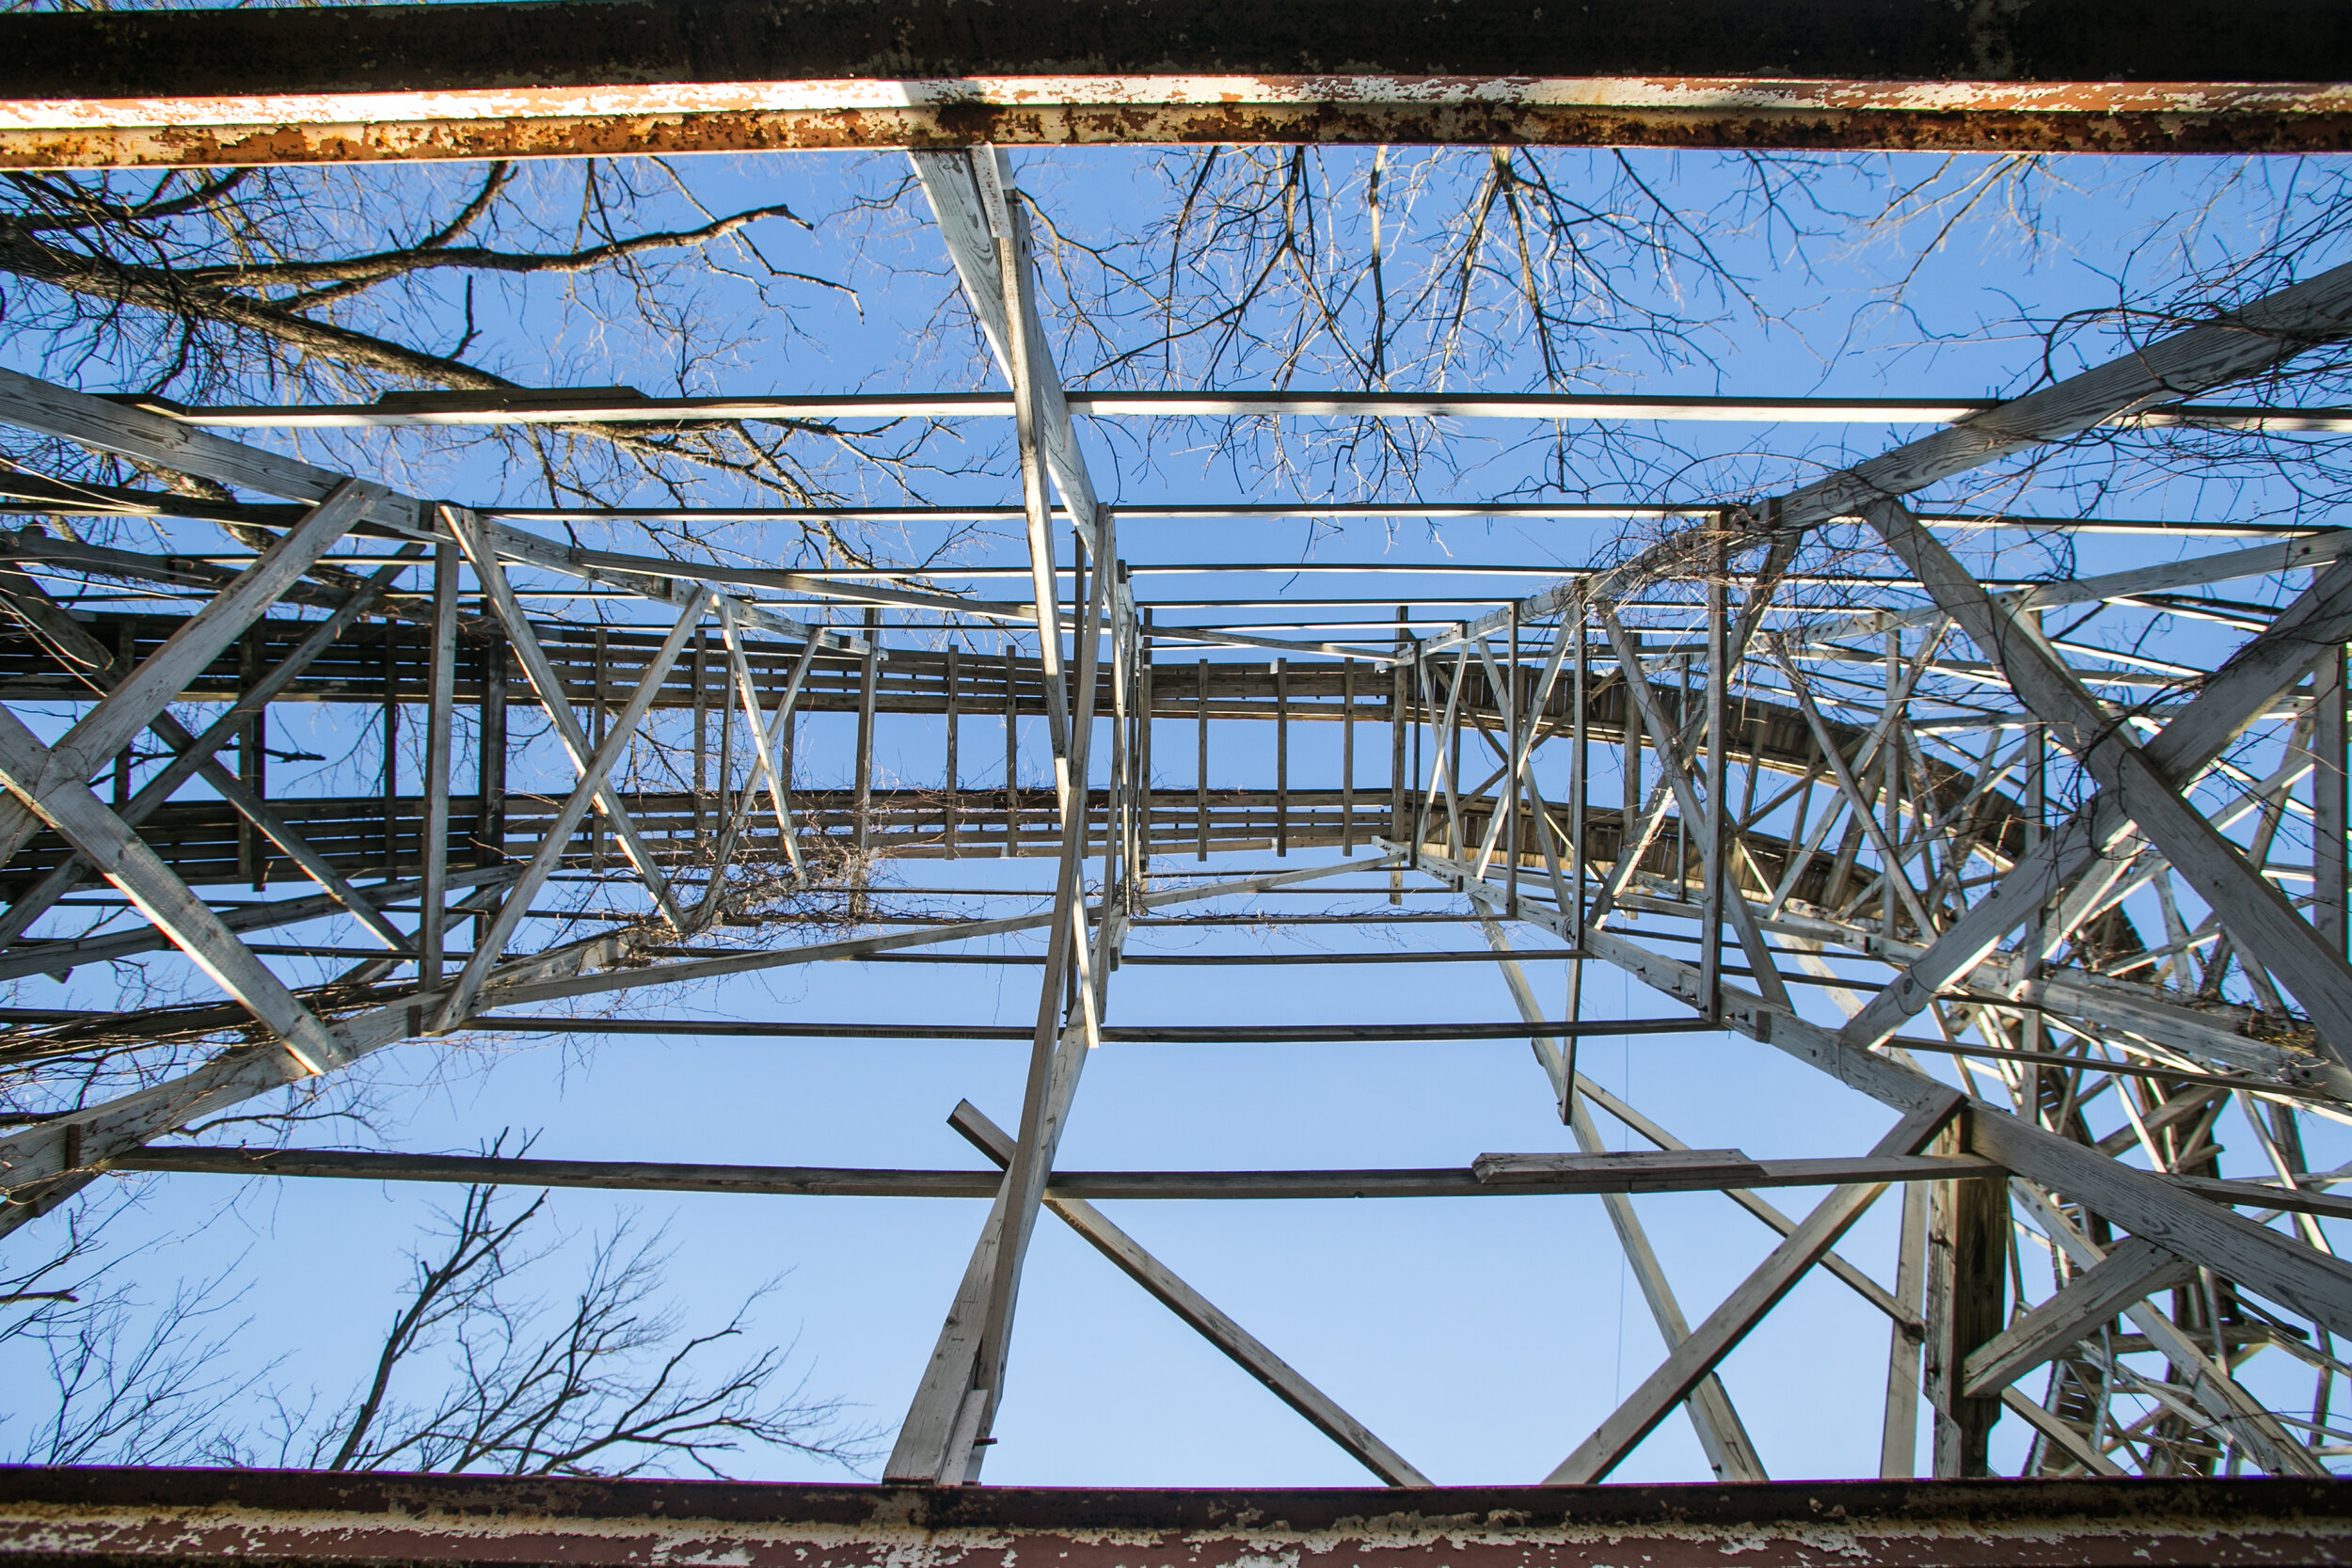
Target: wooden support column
1899	1434
724	799
440	696
1201	788
1515	750
1632	767
953	787
1012	755
2037	809
863	810
1892	754
1281	757
1967	1275
1715	828
489	820
1143	754
1581	754
597	719
391	746
702	733
1399	708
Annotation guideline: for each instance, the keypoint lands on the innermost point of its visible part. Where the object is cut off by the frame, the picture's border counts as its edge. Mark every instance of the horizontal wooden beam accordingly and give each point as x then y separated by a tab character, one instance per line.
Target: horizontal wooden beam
1635	1173
616	77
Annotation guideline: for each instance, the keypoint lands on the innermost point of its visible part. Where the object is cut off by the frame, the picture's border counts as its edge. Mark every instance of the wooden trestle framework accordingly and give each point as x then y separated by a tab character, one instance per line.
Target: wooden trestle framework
1886	786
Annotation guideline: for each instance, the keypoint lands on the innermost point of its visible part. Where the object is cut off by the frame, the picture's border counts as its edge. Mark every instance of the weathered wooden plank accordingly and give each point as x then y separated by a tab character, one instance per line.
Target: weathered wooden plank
1094	1186
2132	1269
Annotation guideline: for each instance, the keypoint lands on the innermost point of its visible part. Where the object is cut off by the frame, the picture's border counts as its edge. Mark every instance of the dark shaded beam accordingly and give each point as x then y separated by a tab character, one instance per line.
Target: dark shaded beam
610	77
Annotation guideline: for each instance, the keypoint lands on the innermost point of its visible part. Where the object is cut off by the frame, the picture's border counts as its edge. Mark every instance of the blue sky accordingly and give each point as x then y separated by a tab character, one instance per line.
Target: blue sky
1483	1338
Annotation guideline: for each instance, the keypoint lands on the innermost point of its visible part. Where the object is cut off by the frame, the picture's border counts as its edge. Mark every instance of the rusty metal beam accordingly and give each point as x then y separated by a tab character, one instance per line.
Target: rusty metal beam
614	77
69	1516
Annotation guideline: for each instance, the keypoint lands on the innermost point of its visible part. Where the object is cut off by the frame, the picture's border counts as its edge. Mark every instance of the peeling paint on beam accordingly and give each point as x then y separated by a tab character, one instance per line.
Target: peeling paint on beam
769	117
294	1519
613	77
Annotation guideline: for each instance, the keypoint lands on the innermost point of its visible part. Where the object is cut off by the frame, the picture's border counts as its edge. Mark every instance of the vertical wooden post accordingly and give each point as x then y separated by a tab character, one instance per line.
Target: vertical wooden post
722	802
1631	770
1890	907
1899	1434
1513	737
862	805
2037	809
1281	757
1683	828
1201	787
701	729
1718	792
1581	763
1348	758
1144	755
253	856
954	786
597	719
1968	1278
1423	714
489	822
1012	755
2328	800
1400	706
391	746
440	697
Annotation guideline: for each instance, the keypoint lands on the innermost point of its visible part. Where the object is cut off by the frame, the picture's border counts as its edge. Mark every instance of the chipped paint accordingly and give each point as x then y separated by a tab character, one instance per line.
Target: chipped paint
63	1516
1067	110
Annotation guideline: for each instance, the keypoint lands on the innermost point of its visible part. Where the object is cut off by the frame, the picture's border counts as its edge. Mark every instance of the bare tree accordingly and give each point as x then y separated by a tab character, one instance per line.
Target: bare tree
478	1373
110	1382
344	284
1416	269
488	1365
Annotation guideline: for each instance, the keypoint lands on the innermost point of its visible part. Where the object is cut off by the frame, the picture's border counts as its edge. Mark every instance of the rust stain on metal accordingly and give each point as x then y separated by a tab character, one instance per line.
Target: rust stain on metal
80	1516
2061	117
